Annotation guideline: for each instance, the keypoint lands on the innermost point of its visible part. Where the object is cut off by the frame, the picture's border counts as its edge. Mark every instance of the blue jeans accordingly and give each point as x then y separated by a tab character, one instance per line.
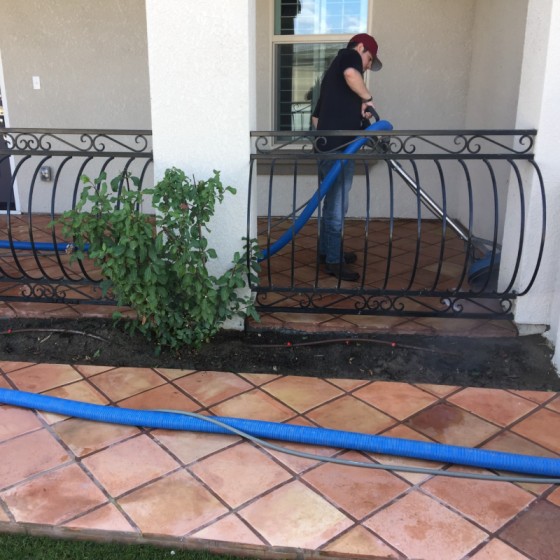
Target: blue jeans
335	206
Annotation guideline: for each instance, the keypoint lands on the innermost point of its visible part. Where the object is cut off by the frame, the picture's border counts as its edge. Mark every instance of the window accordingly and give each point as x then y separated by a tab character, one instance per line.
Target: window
301	60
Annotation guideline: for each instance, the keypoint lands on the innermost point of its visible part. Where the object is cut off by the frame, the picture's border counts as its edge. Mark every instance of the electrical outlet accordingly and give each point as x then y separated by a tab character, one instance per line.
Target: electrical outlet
36	82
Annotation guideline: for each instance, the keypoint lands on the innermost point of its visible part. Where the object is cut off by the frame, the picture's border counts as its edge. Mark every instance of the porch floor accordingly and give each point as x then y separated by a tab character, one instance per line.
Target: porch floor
67	477
295	266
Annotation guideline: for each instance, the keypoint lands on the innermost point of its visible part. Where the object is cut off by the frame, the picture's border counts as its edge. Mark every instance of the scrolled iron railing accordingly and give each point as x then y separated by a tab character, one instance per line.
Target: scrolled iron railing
454	242
41	177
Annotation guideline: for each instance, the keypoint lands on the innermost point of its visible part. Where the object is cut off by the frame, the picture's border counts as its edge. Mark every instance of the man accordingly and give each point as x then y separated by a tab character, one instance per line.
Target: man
343	104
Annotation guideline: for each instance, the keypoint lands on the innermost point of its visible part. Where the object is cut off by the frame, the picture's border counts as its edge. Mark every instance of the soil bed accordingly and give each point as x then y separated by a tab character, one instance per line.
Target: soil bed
514	363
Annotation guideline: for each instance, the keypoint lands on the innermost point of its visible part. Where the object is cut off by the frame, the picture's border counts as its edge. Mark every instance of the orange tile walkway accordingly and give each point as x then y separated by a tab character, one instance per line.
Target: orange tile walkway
69	477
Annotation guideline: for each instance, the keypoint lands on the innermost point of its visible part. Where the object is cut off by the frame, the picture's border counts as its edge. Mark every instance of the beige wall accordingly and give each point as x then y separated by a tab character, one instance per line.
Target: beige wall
91	58
495	71
425	47
497	39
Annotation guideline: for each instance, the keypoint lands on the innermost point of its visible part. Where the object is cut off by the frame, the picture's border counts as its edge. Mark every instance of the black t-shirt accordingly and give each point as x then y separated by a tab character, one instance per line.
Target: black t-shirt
338	107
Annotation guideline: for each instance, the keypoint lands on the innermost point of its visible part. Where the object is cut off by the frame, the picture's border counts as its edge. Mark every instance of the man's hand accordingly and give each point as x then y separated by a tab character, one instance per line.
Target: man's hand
368	111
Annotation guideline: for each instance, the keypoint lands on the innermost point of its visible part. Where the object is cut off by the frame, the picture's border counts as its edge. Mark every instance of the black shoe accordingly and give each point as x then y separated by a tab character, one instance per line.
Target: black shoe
349	258
342	272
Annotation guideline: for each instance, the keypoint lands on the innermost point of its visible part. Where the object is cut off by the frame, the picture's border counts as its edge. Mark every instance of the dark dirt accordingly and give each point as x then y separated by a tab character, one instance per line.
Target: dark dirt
514	363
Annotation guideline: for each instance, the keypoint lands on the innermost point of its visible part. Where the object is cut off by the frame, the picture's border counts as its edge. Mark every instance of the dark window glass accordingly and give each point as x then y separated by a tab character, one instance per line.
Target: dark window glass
300	69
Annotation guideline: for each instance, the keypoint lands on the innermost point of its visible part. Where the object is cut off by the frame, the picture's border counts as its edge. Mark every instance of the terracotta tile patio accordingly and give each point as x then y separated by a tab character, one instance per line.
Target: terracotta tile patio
70	477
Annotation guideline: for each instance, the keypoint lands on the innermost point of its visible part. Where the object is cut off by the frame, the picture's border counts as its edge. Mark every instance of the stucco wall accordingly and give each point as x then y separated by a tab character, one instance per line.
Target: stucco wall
495	71
91	58
497	40
92	62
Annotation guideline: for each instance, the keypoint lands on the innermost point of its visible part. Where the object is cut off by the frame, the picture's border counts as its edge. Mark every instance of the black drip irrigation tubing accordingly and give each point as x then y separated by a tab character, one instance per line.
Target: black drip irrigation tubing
347	341
58	331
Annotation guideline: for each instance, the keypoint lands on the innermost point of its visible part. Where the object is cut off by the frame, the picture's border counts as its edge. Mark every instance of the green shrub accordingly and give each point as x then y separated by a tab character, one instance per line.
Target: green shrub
157	264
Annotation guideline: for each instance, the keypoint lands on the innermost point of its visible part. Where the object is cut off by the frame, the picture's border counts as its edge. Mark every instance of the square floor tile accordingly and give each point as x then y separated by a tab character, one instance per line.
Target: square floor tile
173	374
165	397
188	447
81	391
259	379
488	503
105	518
508	442
28	455
89	371
497	550
255	405
302	393
535	532
53	497
8	367
420	527
121	383
174	505
42	377
350	414
437	390
124	466
495	405
211	387
356	490
229	529
451	425
348	385
240	473
360	541
399	400
535	396
84	437
295	516
542	427
16	421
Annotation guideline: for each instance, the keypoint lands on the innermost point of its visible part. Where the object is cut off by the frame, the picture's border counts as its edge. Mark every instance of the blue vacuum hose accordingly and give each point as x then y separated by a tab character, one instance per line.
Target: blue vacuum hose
324	187
487	459
38	246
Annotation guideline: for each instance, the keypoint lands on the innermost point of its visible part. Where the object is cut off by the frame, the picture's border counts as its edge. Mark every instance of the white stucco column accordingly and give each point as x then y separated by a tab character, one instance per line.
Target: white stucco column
539	108
202	83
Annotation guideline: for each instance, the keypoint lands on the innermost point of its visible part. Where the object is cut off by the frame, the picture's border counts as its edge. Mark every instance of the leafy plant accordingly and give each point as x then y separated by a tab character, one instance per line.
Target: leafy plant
158	264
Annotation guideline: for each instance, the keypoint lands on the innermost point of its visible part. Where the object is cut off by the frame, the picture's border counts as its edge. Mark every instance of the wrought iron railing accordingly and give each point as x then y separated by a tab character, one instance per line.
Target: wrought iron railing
41	174
444	223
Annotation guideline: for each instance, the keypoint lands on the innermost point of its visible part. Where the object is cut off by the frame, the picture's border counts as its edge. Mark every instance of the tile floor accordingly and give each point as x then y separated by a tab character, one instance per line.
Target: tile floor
388	259
67	476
